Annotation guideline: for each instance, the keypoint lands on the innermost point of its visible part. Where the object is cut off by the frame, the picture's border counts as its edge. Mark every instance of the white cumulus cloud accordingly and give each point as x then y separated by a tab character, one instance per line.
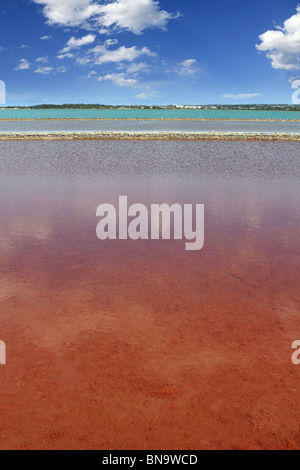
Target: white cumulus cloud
119	79
282	45
137	68
146	96
111	42
68	55
75	43
43	60
187	67
241	96
122	54
24	64
43	70
131	15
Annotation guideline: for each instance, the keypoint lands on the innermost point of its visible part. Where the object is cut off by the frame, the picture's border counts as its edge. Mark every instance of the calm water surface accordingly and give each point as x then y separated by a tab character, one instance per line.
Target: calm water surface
145	114
117	344
144	126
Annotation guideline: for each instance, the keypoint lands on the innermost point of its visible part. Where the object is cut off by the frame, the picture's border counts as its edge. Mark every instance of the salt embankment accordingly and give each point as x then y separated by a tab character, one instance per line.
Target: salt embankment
231	136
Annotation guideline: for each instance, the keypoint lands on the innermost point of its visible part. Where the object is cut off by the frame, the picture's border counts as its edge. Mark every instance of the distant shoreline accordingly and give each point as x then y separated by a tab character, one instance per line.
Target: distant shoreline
79	107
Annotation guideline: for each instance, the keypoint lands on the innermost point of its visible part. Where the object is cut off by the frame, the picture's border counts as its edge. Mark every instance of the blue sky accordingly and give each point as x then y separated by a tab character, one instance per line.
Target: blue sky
144	51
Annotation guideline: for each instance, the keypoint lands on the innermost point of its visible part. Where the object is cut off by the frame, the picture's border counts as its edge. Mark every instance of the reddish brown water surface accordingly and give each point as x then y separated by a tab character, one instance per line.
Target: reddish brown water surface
143	345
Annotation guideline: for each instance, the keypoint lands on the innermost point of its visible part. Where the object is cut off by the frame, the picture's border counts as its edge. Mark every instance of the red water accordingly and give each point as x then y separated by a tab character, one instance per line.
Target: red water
142	345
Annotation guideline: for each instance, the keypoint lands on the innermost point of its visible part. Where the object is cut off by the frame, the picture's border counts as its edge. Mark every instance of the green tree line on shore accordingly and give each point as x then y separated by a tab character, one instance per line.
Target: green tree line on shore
258	107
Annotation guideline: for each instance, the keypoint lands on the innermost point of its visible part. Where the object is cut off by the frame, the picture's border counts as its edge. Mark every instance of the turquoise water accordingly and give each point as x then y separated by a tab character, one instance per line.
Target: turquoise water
131	125
144	114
